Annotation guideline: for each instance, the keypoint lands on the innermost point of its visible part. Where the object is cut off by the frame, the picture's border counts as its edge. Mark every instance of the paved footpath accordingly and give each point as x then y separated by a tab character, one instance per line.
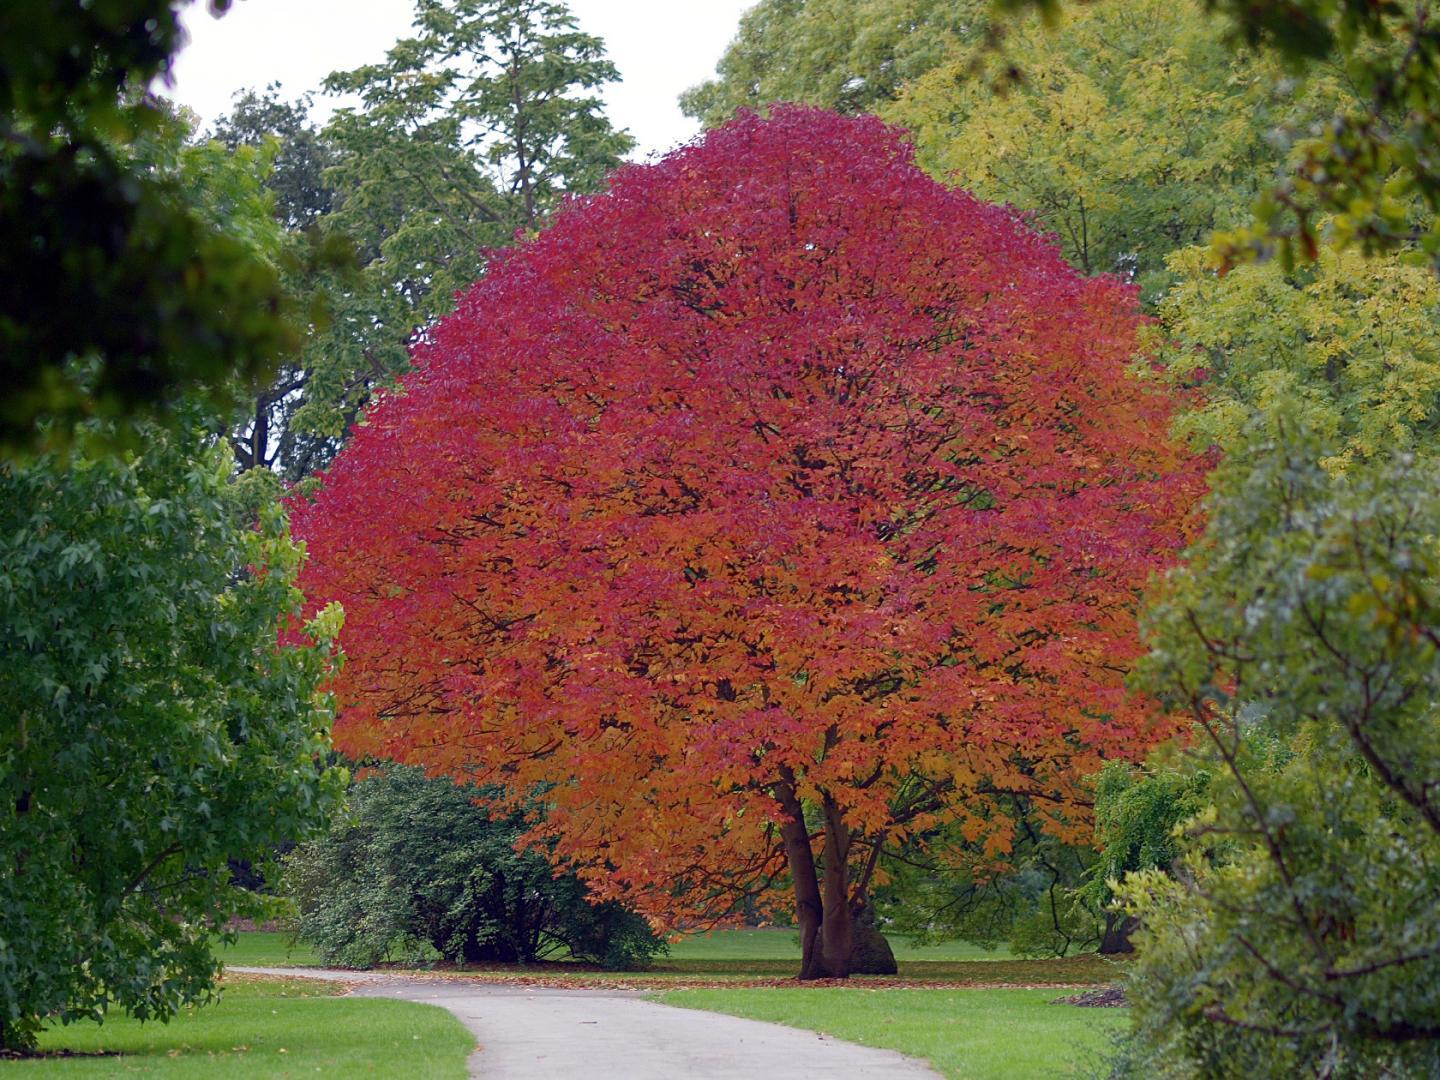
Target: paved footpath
526	1032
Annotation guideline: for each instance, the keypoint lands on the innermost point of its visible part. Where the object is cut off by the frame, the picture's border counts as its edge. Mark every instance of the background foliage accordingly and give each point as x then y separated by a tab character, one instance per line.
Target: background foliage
116	291
475	127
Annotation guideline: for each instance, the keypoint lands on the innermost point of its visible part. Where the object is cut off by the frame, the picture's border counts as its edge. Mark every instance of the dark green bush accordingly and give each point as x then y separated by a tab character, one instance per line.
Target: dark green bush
420	864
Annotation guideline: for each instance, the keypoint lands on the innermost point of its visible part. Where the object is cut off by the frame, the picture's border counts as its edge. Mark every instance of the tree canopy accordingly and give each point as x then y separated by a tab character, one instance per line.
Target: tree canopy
475	127
1131	129
773	506
846	55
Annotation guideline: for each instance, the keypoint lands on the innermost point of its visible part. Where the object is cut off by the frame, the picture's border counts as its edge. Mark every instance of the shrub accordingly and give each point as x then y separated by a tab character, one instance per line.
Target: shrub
422	864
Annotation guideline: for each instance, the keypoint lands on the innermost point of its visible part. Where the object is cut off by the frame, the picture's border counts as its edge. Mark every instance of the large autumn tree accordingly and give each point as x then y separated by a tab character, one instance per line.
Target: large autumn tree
773	508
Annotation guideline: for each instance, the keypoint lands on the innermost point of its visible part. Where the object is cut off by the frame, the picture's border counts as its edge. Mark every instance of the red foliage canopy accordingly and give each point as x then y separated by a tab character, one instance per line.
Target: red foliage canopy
779	476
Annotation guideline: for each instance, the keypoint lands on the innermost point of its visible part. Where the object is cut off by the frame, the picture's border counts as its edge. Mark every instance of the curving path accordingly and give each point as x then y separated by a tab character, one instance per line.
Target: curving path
530	1032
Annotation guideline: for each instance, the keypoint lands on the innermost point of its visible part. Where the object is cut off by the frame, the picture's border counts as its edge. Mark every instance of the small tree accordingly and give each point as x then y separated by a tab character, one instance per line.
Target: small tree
421	862
154	728
1031	898
1137	812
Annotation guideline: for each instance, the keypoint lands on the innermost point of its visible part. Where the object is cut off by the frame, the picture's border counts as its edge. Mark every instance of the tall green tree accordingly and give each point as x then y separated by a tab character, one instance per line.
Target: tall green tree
475	127
845	55
156	725
1366	172
1131	129
300	197
297	179
116	295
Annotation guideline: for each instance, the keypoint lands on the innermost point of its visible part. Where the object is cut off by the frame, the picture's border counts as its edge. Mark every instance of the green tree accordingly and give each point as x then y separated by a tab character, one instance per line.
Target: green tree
300	197
1345	341
1300	932
475	127
1367	167
422	863
1137	814
297	175
115	293
154	726
1130	129
845	55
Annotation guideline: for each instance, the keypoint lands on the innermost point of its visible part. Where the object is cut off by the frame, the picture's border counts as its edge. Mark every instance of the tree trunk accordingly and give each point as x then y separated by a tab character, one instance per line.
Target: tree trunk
872	954
260	436
822	904
495	950
808	910
1118	928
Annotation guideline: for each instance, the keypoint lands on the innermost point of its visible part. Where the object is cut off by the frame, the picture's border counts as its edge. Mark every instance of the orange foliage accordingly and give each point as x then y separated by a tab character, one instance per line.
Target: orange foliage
777	474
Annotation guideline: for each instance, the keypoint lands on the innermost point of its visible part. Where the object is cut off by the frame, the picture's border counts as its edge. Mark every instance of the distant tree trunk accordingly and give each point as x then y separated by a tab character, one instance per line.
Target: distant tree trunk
495	951
872	954
1118	928
260	436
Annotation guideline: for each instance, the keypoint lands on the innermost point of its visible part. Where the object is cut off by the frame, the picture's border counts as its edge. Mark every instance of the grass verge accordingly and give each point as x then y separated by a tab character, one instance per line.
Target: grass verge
767	956
1077	971
263	1027
964	1034
778	943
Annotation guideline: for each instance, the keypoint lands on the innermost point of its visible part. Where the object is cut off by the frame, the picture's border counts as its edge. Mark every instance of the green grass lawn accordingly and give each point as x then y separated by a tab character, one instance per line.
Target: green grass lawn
727	956
264	1027
965	1034
776	943
261	948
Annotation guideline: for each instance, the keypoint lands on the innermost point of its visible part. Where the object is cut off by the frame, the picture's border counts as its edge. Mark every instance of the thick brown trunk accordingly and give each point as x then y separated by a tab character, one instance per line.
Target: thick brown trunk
822	903
808	908
1116	939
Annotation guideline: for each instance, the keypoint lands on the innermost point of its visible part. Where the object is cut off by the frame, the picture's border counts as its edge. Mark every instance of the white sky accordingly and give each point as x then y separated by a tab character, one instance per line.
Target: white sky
660	49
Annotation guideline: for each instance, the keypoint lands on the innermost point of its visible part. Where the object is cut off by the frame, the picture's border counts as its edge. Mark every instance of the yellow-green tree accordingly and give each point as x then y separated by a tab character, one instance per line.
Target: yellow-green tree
1133	128
846	55
1347	342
